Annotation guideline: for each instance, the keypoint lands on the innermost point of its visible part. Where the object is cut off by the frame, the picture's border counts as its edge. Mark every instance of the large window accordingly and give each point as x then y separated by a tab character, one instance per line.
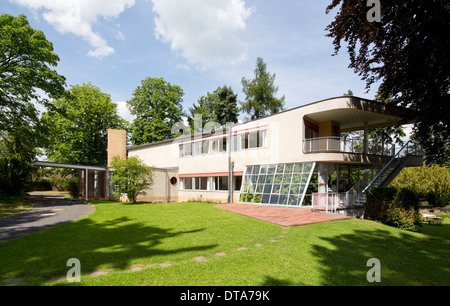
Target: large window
186	183
220	183
218	144
210	183
282	184
201	183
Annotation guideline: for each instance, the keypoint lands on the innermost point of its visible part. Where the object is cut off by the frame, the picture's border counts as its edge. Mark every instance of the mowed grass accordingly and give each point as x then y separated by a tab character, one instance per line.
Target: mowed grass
11	205
119	237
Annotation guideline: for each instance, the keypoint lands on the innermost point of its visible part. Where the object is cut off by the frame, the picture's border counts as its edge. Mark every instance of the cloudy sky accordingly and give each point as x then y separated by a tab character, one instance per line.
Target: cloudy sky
196	44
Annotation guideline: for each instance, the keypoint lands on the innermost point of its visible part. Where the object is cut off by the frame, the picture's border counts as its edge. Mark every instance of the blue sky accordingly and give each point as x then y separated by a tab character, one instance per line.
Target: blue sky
196	44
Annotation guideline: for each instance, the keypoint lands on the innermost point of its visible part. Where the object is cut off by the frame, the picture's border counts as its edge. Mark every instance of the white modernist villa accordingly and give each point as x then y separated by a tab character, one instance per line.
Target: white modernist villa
302	157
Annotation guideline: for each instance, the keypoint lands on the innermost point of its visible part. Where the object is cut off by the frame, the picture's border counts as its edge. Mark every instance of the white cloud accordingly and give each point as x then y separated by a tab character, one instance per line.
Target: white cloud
203	31
123	110
78	16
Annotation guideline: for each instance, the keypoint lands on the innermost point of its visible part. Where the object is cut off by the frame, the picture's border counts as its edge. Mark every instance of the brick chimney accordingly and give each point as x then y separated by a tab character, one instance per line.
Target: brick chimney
117	144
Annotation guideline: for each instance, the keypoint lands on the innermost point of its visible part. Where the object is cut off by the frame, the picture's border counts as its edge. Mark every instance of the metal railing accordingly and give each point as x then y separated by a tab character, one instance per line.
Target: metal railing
328	202
344	145
369	177
401	153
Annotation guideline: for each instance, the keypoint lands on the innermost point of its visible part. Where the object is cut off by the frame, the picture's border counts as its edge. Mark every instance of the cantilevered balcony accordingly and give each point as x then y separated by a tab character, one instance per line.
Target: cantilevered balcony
345	145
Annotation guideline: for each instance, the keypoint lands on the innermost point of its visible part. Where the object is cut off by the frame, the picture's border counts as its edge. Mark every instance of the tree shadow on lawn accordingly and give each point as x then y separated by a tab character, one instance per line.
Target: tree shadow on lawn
108	245
405	259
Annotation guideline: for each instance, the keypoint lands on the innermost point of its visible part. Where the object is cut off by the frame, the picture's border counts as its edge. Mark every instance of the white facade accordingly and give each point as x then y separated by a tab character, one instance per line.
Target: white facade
309	135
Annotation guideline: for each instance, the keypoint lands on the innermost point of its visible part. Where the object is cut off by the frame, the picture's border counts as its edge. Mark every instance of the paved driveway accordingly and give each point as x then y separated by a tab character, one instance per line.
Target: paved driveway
48	210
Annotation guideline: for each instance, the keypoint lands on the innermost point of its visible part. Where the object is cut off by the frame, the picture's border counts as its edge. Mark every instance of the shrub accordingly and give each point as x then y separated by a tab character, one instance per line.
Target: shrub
131	176
72	187
432	183
40	185
396	207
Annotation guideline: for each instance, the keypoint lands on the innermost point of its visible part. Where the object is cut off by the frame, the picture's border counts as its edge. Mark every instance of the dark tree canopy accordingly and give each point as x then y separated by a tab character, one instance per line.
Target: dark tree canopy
407	52
219	107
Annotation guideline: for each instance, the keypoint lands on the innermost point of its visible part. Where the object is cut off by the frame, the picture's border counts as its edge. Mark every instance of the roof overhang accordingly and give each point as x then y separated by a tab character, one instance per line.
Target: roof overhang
67	166
355	113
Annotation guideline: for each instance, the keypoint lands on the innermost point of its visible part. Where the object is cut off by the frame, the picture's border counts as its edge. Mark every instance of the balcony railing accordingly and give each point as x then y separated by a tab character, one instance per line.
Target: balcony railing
344	145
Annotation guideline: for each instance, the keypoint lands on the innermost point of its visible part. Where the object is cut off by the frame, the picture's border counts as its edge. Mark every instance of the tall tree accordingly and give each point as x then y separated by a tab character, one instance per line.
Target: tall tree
219	107
407	50
225	105
25	59
78	128
156	104
205	109
261	93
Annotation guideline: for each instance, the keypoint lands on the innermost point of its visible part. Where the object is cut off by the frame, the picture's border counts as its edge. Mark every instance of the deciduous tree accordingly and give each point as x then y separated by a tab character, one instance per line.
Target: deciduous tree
407	51
156	105
78	128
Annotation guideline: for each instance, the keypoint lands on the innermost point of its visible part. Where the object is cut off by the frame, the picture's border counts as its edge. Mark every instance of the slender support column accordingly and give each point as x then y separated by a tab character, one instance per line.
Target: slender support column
323	178
230	167
366	138
87	186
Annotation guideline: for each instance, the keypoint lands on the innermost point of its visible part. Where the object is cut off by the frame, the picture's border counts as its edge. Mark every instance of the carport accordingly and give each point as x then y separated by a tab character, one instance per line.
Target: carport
93	180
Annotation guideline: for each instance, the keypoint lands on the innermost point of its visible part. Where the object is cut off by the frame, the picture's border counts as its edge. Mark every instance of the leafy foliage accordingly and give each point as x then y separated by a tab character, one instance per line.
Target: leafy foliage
156	104
131	176
16	156
25	59
396	207
431	183
407	51
218	107
79	126
261	93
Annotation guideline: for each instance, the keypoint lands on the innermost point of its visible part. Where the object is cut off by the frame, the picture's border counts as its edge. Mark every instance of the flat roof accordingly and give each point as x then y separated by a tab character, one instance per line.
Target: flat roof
67	166
385	109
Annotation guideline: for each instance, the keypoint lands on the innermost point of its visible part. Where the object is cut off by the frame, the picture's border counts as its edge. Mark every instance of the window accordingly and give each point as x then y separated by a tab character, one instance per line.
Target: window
205	147
197	148
201	183
223	144
237	183
220	183
186	149
282	184
262	138
242	141
186	183
215	146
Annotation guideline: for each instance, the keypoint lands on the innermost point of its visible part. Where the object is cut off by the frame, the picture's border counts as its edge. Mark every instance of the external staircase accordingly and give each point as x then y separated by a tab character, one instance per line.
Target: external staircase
382	176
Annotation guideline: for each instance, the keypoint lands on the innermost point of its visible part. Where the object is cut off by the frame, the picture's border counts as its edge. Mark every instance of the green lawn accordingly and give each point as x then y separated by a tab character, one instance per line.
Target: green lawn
11	205
117	237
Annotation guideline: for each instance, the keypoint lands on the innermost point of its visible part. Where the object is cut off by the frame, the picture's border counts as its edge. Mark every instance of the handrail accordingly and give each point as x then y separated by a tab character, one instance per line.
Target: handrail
340	144
388	163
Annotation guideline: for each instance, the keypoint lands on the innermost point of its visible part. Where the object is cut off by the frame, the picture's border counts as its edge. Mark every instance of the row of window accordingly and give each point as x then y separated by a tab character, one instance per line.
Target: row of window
210	183
243	141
